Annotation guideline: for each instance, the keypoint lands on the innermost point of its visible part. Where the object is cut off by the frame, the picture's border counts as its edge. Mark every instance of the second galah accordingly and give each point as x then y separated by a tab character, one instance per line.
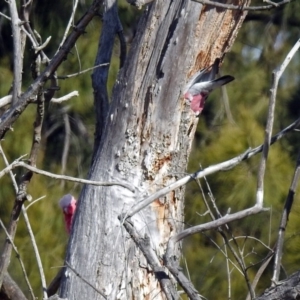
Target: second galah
68	205
201	84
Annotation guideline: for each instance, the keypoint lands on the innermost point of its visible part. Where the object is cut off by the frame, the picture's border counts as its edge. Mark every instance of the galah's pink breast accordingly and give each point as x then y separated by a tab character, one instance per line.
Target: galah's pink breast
197	103
69	214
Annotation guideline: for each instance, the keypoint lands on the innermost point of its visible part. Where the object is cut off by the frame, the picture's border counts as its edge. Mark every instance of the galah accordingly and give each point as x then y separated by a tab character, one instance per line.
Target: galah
68	205
201	84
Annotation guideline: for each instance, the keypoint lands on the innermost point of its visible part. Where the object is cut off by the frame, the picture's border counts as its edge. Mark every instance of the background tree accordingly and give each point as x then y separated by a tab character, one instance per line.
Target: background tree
146	142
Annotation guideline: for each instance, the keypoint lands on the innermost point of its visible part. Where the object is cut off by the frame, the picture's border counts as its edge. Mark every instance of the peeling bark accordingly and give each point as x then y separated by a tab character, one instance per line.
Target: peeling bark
146	142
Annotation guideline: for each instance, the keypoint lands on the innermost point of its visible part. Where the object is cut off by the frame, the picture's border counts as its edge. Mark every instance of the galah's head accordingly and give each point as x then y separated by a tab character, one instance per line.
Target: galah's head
68	205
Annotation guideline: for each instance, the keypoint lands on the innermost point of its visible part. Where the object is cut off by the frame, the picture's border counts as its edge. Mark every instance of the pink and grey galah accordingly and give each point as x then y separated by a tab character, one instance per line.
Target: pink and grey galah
201	84
68	204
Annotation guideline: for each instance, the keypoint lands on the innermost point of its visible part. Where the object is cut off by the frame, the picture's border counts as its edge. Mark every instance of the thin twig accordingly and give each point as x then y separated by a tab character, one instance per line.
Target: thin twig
70	23
18	163
5	16
238	257
81	72
36	252
33	202
241	7
43	46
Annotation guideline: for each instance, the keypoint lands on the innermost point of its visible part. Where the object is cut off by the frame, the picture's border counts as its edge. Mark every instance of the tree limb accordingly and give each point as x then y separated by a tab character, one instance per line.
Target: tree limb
111	26
241	7
270	121
18	163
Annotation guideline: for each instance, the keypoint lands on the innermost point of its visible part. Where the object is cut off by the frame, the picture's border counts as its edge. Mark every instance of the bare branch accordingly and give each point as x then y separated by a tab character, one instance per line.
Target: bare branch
5	100
36	252
70	23
5	16
34	201
269	127
241	7
81	72
43	46
217	223
65	97
18	163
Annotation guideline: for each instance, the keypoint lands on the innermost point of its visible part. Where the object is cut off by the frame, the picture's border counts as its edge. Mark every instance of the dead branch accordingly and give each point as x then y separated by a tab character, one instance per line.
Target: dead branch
18	163
81	72
270	120
241	7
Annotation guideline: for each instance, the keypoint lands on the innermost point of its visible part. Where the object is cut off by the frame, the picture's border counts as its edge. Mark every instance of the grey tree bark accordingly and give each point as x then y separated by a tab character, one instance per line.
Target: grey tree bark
146	142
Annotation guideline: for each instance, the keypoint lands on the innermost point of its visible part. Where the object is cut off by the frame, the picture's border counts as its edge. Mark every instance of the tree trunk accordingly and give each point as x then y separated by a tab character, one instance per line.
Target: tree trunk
146	143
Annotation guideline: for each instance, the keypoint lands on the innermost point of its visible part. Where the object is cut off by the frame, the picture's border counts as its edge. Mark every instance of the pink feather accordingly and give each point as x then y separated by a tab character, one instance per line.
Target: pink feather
68	205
